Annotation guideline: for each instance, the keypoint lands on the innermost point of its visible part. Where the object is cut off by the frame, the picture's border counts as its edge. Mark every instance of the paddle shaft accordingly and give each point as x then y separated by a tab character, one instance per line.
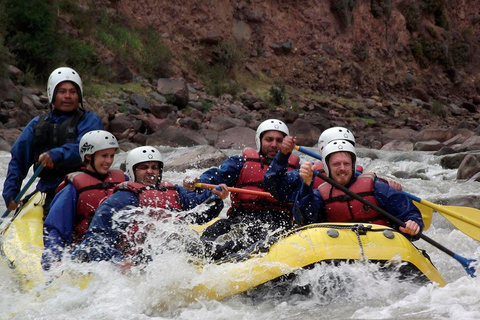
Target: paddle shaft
232	189
25	188
465	262
467	216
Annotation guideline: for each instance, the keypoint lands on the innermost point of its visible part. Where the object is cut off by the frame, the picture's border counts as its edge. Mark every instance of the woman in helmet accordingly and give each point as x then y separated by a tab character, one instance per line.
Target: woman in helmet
260	215
79	195
339	160
144	166
52	139
285	185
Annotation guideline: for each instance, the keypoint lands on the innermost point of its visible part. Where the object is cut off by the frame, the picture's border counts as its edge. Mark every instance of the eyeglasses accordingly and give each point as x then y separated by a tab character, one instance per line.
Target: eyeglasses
144	167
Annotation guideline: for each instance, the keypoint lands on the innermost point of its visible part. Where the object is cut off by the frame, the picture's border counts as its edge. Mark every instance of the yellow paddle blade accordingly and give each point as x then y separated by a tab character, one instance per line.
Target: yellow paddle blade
201	227
427	214
465	219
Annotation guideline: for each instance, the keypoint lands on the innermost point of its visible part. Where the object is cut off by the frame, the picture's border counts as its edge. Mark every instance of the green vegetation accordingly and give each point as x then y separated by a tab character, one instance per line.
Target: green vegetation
367	121
278	93
218	69
437	8
412	16
344	10
445	52
360	50
381	8
438	108
32	32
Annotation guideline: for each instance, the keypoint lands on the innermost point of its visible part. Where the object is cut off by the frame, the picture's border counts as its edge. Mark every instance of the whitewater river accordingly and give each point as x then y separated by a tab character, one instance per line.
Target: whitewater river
354	291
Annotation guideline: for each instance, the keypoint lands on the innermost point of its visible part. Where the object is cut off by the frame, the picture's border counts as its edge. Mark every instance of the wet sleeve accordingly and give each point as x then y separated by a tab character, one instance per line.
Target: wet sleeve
58	226
307	206
228	172
104	233
282	184
397	203
202	206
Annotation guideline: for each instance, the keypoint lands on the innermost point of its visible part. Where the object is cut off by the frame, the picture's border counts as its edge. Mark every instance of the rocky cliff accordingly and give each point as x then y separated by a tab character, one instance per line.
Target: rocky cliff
423	48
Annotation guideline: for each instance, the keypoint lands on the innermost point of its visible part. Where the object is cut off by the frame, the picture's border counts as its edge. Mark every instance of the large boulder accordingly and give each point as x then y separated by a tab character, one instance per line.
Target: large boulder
203	156
305	133
174	90
237	138
174	136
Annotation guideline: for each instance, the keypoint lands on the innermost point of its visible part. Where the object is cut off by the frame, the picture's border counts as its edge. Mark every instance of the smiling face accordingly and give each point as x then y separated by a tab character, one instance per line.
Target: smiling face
271	143
102	160
340	166
147	173
66	97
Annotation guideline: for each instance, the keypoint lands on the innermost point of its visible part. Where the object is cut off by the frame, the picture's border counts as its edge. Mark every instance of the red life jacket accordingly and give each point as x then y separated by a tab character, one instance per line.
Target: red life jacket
251	178
91	191
341	207
163	197
317	181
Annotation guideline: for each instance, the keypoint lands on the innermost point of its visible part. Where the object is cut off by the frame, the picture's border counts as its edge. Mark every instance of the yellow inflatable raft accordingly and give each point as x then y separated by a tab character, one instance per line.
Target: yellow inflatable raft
313	244
22	245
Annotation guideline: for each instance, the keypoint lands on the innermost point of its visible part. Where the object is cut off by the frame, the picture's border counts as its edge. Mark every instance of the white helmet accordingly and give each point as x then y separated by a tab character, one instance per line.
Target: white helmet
338	146
60	75
335	133
142	154
267	125
96	140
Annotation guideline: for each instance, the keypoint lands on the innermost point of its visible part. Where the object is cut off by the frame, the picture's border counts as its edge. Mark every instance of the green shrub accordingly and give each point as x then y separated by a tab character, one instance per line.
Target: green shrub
360	50
381	8
412	16
31	35
217	82
278	94
228	54
77	53
460	53
156	57
438	108
344	10
142	48
437	9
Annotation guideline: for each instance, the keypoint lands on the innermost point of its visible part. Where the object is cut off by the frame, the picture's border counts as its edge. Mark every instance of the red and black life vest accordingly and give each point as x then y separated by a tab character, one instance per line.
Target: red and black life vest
251	178
340	207
317	181
164	196
91	191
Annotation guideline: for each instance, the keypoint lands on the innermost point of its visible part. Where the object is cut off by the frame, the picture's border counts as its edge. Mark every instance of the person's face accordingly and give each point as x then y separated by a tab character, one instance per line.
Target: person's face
66	97
103	160
271	143
147	173
340	166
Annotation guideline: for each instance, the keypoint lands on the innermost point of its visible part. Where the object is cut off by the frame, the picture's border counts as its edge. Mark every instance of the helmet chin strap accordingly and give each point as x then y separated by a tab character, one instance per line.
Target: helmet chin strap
92	164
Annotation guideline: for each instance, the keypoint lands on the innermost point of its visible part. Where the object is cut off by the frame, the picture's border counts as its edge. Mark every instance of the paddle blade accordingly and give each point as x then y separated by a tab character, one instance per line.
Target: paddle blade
427	214
466	219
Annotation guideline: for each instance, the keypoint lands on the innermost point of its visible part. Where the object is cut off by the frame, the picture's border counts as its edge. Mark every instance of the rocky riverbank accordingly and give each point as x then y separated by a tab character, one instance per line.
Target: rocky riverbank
172	112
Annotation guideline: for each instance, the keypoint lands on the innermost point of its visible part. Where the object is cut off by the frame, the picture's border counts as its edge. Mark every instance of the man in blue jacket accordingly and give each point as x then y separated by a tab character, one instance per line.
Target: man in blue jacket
251	217
113	236
328	203
51	140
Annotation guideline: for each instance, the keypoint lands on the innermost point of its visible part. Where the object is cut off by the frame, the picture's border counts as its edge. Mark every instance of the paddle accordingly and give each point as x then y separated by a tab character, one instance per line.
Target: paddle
466	263
232	189
465	219
25	188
